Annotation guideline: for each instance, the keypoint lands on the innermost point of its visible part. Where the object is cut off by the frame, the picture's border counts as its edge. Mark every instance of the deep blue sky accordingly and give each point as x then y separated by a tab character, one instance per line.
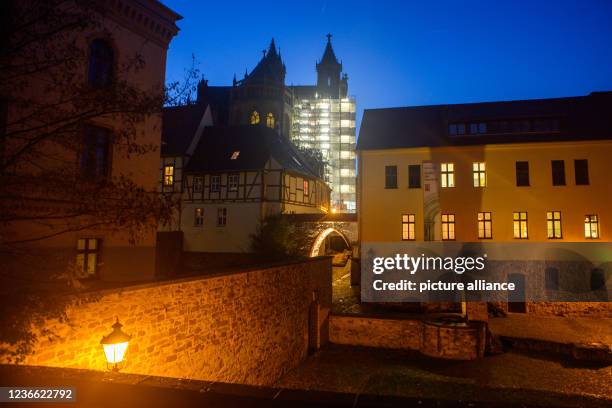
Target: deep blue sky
401	53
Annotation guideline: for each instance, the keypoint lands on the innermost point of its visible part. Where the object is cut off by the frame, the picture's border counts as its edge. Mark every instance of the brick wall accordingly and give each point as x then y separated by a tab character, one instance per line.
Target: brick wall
246	327
574	309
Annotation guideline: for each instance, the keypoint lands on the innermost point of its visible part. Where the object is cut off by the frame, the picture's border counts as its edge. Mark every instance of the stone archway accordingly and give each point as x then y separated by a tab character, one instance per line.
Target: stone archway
320	239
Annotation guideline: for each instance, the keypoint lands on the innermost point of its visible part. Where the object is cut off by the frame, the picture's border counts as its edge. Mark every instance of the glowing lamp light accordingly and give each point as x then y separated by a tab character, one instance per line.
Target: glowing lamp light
334	210
115	345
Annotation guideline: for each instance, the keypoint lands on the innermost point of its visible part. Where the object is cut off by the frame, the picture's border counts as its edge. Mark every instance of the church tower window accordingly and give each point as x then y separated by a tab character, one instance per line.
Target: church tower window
255	118
270	120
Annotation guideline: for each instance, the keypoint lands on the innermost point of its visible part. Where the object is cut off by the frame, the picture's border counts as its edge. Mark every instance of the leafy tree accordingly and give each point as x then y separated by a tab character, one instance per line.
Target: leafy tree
276	239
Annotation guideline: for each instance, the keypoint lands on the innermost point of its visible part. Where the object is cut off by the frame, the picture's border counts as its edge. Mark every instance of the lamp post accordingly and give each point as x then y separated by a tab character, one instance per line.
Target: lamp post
115	345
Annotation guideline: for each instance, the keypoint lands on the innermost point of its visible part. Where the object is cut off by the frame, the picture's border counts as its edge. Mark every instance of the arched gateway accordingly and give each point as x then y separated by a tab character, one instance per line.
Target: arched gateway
327	231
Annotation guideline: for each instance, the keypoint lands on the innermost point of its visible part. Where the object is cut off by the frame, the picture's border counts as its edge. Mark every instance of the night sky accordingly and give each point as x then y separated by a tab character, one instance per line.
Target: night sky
408	53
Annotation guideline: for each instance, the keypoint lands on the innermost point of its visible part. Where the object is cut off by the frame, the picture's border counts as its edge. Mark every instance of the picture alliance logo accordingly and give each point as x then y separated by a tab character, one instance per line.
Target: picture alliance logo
412	264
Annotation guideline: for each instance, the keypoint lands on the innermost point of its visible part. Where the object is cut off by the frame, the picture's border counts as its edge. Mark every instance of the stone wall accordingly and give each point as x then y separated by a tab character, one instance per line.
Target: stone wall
574	309
246	327
358	330
436	340
590	309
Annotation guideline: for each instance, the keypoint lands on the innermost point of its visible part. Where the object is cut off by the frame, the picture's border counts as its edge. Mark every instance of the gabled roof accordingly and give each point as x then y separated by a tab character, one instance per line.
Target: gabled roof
251	146
179	125
218	98
581	118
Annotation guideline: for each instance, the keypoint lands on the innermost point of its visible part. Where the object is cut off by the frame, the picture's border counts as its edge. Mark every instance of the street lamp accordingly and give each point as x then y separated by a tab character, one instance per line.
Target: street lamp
115	345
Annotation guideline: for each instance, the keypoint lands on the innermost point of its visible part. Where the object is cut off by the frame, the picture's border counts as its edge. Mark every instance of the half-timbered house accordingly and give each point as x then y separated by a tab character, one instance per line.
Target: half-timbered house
230	178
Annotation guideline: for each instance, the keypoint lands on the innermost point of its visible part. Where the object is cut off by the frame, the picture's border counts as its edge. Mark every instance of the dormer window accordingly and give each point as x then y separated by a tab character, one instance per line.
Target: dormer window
270	120
235	155
254	118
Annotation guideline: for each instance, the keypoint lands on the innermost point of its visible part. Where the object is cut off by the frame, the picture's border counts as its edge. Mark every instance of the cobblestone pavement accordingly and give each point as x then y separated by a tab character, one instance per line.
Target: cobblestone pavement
557	329
509	378
344	297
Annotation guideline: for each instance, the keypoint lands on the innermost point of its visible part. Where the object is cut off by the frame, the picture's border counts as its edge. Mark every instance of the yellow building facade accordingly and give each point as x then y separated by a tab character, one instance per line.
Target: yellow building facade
524	183
382	208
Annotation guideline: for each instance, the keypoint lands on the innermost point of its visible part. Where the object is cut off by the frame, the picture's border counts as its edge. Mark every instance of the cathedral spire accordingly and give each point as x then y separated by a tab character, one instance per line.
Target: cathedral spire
272	48
329	57
328	73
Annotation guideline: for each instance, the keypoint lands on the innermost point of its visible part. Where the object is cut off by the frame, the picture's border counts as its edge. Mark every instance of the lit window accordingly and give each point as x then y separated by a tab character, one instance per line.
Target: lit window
408	233
255	118
553	224
520	225
87	257
235	155
480	179
232	182
484	225
390	176
448	227
270	120
306	187
447	173
168	175
591	226
198	217
221	217
346	139
198	184
215	183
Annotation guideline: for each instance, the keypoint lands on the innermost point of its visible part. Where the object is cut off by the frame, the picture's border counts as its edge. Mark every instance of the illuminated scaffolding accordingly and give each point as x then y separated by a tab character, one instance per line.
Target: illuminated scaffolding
328	125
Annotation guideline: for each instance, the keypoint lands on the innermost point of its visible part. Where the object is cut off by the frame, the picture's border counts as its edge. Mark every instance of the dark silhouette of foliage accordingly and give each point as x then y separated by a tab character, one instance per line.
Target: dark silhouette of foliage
277	239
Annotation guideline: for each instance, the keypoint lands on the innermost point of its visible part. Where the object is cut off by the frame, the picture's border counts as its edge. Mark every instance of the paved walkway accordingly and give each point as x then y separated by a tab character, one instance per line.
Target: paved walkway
102	389
555	329
511	378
